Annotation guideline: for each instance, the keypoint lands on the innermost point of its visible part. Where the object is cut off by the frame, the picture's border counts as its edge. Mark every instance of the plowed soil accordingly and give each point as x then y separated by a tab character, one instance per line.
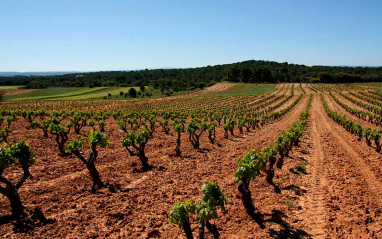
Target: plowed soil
331	184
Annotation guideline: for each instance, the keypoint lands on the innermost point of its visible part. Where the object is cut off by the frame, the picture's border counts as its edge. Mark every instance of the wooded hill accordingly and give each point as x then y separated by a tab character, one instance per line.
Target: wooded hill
191	78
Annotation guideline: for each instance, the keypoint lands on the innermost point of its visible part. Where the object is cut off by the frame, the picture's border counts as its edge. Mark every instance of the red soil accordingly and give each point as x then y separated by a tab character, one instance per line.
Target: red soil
339	197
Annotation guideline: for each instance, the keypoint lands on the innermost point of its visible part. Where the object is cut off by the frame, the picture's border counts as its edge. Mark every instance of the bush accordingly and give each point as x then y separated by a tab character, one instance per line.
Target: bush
132	93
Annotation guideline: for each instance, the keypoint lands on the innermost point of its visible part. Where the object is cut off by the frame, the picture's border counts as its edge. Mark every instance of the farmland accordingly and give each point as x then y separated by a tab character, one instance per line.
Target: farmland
293	160
13	94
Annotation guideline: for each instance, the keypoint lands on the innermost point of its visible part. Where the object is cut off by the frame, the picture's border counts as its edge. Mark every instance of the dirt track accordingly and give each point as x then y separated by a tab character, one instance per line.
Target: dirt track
340	196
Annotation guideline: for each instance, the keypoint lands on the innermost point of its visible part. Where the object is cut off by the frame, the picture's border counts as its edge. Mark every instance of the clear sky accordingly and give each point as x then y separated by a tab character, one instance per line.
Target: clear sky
92	35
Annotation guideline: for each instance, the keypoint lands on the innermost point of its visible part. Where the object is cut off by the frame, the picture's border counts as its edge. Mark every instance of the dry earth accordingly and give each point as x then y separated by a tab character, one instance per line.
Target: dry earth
338	196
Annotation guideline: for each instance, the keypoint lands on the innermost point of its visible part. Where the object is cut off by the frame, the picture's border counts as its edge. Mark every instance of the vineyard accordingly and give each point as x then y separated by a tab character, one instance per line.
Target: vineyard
281	161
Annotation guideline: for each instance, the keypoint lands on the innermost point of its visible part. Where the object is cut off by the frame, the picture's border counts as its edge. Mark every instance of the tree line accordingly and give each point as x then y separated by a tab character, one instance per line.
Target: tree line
192	78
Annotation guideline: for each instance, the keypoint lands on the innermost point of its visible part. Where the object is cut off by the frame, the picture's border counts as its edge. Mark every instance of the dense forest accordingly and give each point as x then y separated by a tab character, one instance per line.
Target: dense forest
192	78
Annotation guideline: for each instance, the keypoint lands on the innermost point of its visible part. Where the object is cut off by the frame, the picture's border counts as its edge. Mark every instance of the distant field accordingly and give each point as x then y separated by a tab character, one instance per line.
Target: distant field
245	89
12	87
43	92
80	93
53	93
102	93
83	93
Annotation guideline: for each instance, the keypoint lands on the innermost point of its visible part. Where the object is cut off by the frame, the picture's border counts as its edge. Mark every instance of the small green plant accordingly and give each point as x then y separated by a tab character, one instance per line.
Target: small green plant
367	135
178	128
302	168
229	127
179	215
101	125
376	136
211	128
135	144
95	138
10	119
44	126
4	133
270	155
61	132
195	129
249	167
213	197
289	204
22	154
164	125
240	124
79	120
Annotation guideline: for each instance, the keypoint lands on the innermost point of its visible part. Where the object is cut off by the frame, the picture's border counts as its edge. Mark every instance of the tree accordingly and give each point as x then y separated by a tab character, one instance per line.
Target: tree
325	77
142	88
19	153
132	92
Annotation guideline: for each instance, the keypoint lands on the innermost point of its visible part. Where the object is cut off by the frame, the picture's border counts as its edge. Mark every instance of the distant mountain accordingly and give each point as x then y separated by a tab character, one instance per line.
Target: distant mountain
42	73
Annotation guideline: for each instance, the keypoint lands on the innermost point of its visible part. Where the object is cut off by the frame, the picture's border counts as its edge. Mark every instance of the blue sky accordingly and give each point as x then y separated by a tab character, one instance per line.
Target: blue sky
84	35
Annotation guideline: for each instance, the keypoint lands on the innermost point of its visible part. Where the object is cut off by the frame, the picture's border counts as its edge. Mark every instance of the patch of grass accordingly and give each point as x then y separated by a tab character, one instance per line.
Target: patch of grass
243	89
289	204
302	168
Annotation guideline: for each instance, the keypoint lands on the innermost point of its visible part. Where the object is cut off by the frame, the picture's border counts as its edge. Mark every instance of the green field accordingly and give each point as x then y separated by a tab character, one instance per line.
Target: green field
102	93
53	94
12	87
242	89
99	95
43	92
82	94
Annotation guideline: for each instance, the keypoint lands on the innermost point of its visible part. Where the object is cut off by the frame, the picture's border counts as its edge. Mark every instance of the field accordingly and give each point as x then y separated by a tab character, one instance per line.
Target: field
314	171
9	87
241	89
79	94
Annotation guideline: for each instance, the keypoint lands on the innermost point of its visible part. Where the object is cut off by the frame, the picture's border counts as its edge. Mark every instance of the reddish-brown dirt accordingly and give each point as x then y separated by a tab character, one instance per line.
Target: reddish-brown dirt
343	195
338	196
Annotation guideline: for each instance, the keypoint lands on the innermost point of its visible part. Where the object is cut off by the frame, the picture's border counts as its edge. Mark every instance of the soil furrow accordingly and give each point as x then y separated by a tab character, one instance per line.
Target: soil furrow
314	200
